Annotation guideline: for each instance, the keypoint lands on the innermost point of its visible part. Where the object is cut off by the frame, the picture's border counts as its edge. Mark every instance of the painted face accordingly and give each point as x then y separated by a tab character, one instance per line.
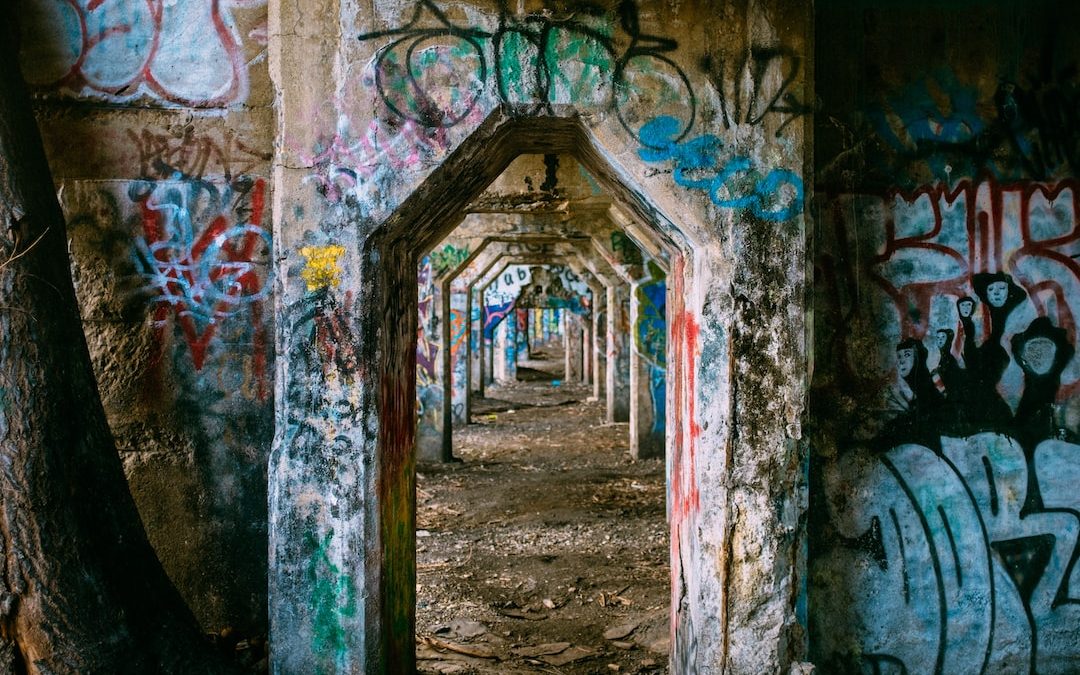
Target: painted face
997	293
905	361
942	339
966	307
1039	355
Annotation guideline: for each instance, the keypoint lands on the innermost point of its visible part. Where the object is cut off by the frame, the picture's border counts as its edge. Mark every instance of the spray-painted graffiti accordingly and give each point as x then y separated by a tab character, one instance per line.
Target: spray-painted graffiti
955	533
773	72
342	163
962	558
940	128
448	258
626	251
734	183
187	53
162	154
203	254
429	393
321	270
650	339
435	72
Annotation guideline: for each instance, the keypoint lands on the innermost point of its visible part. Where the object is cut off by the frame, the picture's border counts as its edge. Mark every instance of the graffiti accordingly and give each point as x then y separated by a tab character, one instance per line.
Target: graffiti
734	184
912	123
435	72
1041	122
650	339
961	558
321	270
336	347
942	242
935	128
162	154
427	347
184	53
766	66
340	164
203	254
626	251
334	598
957	544
448	259
546	289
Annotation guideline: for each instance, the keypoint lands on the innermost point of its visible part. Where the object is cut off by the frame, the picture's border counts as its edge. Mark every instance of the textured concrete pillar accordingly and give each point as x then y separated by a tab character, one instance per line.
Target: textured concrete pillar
457	378
586	351
429	385
572	342
599	343
647	377
618	353
504	352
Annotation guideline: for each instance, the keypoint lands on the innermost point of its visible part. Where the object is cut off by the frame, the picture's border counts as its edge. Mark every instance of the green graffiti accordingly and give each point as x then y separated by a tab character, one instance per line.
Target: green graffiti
448	258
333	598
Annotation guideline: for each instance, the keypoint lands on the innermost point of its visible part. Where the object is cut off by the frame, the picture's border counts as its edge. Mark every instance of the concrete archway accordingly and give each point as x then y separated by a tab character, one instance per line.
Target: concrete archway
385	511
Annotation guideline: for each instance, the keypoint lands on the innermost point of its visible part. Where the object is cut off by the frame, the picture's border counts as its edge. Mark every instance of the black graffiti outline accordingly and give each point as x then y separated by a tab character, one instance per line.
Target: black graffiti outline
782	102
642	45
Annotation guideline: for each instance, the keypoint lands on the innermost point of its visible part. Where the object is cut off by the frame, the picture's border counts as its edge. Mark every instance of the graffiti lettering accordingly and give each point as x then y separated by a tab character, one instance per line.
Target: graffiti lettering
766	65
435	72
737	184
203	255
124	49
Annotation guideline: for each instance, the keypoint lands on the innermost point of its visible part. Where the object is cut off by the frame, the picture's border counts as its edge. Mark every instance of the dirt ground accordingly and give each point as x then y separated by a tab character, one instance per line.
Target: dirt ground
545	549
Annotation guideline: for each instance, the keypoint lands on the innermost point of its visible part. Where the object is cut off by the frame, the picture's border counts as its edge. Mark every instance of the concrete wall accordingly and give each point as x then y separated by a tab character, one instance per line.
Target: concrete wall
691	116
160	122
157	122
945	528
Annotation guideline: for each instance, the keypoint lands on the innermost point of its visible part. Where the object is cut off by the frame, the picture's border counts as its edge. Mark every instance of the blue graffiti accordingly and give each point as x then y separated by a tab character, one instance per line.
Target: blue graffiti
913	122
699	167
495	314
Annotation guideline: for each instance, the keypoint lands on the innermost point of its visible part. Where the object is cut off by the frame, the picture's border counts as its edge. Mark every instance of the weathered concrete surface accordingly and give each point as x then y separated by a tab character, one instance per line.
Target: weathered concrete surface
697	135
160	143
945	420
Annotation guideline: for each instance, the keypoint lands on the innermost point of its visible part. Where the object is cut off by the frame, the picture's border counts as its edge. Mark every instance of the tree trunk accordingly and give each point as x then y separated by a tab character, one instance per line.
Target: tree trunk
81	590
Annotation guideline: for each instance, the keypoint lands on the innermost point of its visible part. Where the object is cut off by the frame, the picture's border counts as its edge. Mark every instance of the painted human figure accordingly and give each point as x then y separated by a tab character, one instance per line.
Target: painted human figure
948	369
983	406
1042	351
923	402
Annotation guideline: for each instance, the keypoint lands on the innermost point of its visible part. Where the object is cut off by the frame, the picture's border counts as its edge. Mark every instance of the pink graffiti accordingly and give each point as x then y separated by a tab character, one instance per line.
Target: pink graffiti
188	53
341	163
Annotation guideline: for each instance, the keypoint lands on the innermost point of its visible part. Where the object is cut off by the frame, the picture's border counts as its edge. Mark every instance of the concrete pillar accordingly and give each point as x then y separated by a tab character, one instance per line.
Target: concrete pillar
648	391
504	353
599	343
474	328
618	353
572	345
429	386
586	350
459	358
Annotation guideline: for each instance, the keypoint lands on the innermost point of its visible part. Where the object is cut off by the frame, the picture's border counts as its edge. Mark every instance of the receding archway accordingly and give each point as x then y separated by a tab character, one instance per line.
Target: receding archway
423	219
382	507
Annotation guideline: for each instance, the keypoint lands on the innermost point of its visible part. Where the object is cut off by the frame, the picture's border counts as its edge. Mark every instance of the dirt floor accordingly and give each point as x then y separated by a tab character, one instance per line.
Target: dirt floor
545	549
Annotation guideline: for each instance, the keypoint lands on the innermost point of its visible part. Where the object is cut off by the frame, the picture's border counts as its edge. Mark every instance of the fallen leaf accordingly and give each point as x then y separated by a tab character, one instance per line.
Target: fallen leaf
542	650
620	631
479	651
569	656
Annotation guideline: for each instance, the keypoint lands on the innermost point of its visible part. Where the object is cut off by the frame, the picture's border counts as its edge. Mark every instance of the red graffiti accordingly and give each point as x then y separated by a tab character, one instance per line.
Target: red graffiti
685	498
204	279
121	49
1039	253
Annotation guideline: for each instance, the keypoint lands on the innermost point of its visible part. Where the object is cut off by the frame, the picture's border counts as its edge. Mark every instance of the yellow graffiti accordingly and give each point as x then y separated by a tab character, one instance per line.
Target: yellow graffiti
322	269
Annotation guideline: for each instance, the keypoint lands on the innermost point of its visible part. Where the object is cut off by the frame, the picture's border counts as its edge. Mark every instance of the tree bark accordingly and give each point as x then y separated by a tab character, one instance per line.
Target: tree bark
81	590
